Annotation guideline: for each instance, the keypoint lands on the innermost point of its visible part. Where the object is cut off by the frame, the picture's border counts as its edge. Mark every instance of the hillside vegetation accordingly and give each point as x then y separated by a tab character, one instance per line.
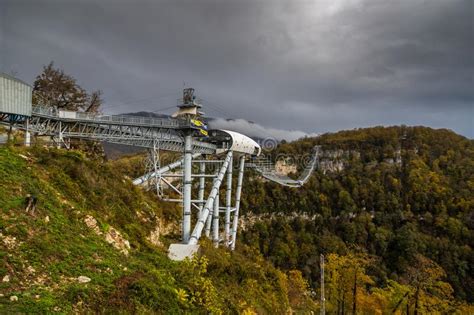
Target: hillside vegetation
77	236
393	207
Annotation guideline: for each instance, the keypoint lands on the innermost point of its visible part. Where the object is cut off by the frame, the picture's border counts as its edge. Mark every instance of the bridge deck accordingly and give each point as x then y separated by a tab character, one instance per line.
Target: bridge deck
128	120
123	129
267	169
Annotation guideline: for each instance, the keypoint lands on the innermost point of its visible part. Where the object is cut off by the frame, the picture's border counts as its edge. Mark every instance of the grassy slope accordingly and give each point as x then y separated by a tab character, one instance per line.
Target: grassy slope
43	252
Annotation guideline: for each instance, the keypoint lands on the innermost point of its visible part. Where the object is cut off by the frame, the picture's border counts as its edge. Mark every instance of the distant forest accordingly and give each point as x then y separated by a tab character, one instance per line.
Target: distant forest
397	215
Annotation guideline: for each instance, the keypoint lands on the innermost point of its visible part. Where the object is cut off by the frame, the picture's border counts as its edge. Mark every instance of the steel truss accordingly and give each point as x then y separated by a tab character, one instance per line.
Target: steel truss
152	167
127	131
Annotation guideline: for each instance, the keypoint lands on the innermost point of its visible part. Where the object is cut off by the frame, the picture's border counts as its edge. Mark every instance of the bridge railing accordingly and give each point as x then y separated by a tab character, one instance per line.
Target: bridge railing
44	110
118	119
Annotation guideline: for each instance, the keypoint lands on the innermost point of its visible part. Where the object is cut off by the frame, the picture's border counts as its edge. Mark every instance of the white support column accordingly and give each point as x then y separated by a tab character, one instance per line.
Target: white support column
27	133
202	185
155	160
210	202
187	181
208	223
215	221
60	136
237	202
228	204
210	216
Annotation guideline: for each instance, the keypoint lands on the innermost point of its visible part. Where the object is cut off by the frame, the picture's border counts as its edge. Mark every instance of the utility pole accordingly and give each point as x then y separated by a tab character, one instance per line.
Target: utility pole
323	300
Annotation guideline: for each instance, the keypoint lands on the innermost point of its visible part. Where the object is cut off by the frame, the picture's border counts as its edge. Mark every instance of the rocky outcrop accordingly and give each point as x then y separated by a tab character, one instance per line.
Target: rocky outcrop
333	161
91	223
285	167
159	230
83	279
10	242
116	239
250	219
112	236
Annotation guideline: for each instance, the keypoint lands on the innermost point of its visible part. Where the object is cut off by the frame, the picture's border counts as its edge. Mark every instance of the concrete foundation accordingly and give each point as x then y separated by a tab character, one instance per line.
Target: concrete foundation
180	252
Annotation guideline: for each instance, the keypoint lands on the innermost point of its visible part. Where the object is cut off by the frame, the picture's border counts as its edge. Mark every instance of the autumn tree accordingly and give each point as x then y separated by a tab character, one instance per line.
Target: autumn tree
299	291
431	293
57	89
346	283
54	88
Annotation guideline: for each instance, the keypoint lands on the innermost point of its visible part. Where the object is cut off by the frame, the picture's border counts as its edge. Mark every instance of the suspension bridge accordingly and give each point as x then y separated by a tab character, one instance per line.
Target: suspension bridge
209	158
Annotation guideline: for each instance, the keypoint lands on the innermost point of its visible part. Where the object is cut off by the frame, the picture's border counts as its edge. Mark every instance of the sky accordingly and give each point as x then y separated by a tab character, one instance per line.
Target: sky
290	68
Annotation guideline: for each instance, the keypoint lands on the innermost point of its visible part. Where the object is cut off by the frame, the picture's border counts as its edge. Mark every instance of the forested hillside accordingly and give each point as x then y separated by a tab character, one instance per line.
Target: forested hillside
394	207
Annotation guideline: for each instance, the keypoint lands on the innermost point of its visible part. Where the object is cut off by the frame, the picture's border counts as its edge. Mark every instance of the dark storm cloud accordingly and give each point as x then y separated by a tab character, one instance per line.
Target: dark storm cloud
314	66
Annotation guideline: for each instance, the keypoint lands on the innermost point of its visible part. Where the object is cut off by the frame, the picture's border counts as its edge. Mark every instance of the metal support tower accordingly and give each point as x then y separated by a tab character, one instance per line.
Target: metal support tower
196	234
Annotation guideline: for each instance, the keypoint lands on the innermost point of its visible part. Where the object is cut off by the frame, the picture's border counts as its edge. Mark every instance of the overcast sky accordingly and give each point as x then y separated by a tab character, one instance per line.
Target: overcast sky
307	66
